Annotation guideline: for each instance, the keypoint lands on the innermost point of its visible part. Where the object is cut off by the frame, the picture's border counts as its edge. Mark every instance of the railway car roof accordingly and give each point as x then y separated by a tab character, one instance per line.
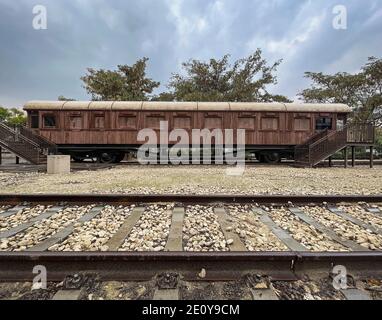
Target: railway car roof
185	106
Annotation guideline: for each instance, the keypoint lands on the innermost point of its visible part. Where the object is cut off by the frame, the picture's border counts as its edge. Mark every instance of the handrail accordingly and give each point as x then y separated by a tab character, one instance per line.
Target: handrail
312	139
19	136
28	136
39	140
332	141
16	141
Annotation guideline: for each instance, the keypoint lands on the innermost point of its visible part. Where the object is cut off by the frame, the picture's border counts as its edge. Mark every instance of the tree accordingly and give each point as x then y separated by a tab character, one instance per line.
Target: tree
362	91
12	116
246	80
127	83
62	98
4	114
164	96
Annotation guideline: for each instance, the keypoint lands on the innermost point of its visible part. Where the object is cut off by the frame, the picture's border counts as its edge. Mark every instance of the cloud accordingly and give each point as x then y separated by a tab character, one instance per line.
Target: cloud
102	34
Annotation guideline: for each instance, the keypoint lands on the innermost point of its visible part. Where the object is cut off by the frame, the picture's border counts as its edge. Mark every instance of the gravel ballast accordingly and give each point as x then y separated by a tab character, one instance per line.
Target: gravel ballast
202	231
344	228
151	232
22	216
307	235
44	229
254	234
93	235
201	180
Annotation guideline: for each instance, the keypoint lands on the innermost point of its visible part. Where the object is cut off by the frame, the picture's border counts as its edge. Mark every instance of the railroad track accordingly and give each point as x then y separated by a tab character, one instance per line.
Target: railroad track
280	244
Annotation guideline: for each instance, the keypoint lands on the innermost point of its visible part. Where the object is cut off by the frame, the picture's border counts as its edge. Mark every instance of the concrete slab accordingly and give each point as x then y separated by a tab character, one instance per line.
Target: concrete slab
175	238
356	294
47	214
11	211
264	294
354	220
58	164
64	233
280	233
167	294
223	217
329	232
374	210
119	237
67	295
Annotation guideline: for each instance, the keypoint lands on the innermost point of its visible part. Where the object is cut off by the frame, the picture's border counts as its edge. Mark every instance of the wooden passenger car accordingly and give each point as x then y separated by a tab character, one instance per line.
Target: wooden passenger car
109	130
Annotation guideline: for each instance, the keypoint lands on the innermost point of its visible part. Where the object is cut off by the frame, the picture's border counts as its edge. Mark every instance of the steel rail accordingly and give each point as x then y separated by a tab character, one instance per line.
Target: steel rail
142	266
185	199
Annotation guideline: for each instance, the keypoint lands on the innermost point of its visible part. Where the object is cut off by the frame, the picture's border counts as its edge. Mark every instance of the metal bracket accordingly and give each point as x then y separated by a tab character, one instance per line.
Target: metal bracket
167	281
78	281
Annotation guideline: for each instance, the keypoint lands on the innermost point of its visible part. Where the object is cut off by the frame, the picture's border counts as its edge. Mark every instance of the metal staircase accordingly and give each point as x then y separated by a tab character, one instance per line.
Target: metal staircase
26	144
326	143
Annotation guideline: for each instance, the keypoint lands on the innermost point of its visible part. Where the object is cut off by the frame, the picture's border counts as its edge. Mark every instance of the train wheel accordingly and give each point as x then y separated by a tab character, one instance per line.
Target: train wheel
78	159
106	157
272	157
119	157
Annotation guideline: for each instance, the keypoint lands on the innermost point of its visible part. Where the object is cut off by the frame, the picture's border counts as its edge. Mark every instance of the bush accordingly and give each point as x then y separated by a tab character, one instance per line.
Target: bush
13	116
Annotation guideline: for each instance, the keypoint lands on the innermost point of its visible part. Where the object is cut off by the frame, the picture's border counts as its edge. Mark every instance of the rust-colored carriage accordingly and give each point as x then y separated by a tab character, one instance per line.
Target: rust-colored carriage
109	130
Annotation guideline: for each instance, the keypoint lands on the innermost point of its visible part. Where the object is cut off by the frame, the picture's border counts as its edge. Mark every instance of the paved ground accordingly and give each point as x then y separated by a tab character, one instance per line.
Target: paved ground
200	180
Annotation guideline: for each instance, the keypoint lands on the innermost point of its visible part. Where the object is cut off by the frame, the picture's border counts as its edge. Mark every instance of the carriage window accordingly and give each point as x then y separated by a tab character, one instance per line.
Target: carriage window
153	122
271	124
99	121
75	122
247	123
302	124
49	121
127	122
323	123
182	122
213	123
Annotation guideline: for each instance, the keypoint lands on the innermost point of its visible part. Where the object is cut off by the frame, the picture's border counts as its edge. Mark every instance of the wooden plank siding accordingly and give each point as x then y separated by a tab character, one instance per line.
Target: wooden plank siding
122	126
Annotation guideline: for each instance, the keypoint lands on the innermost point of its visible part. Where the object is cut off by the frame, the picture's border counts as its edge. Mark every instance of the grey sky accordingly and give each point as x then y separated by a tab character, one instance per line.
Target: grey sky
43	64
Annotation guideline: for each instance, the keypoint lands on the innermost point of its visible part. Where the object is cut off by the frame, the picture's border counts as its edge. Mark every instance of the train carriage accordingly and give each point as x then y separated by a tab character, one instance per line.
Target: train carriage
109	130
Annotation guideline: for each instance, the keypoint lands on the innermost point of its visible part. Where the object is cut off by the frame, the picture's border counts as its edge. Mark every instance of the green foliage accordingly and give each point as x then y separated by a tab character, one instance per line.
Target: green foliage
362	91
62	98
164	96
12	116
378	137
217	80
127	83
4	114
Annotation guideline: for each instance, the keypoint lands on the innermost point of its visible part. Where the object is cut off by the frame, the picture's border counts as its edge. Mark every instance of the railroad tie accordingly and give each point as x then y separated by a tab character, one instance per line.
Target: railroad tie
329	232
356	294
376	211
64	233
280	233
166	294
119	237
223	219
46	215
67	295
263	294
12	211
175	238
356	221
